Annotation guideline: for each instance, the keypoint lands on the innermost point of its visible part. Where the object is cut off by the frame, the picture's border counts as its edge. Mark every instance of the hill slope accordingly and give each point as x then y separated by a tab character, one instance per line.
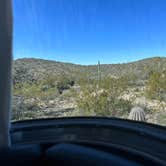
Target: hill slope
35	69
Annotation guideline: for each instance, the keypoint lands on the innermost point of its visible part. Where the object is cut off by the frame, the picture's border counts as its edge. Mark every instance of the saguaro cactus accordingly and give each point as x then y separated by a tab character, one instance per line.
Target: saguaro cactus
137	113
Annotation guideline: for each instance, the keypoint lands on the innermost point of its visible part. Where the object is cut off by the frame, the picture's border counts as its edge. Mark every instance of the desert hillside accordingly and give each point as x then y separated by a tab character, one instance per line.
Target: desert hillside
43	88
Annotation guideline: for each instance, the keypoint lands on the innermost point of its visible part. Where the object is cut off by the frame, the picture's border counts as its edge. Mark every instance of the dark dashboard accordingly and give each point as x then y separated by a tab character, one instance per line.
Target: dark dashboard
87	141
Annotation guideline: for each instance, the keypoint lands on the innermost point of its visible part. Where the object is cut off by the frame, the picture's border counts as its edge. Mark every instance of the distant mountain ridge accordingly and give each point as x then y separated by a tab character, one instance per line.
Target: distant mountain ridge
30	69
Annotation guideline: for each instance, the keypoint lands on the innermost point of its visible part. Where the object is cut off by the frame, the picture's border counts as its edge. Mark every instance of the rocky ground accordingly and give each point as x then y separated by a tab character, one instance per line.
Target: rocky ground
155	110
65	105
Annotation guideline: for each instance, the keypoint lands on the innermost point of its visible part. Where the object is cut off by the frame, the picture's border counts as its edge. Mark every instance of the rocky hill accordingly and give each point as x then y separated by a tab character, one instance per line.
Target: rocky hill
35	69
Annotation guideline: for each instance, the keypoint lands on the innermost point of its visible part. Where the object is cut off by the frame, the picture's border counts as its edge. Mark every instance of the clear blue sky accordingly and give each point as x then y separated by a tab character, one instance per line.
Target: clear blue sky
85	31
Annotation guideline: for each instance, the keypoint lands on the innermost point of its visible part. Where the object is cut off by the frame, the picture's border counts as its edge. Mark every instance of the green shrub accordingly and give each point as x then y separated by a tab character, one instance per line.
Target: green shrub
63	83
156	86
103	99
39	90
24	110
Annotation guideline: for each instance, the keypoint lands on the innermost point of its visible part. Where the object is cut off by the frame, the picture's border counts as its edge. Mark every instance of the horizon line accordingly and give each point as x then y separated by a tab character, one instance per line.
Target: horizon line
51	59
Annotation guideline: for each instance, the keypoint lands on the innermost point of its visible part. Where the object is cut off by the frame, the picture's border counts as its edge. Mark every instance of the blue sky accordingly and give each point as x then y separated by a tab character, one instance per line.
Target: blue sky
85	31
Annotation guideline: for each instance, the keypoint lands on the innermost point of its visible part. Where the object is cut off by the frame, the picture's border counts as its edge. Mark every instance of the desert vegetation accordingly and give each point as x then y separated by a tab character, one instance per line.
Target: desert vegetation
44	89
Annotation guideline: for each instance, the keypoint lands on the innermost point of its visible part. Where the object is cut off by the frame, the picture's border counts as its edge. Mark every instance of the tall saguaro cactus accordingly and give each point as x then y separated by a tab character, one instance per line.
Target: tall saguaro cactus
98	74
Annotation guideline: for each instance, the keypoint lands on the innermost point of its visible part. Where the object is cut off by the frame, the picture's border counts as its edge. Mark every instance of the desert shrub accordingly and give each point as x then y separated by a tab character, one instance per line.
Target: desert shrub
156	86
50	85
103	99
23	110
48	82
26	90
64	82
119	107
39	90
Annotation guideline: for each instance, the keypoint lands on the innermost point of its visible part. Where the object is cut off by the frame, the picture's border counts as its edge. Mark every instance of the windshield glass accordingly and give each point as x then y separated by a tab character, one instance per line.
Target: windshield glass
90	58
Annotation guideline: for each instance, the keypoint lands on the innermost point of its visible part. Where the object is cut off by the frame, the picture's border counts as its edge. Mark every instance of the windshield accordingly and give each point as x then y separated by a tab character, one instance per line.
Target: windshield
90	58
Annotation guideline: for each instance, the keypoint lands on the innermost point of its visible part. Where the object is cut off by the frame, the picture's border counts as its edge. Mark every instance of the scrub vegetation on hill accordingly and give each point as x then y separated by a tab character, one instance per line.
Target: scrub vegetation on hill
44	89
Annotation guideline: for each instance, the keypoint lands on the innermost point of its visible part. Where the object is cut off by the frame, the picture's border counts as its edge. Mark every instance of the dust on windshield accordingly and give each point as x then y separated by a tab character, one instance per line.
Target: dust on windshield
89	58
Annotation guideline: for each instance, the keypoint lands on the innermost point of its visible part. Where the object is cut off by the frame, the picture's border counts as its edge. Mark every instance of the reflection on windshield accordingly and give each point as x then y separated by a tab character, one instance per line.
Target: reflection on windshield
89	58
